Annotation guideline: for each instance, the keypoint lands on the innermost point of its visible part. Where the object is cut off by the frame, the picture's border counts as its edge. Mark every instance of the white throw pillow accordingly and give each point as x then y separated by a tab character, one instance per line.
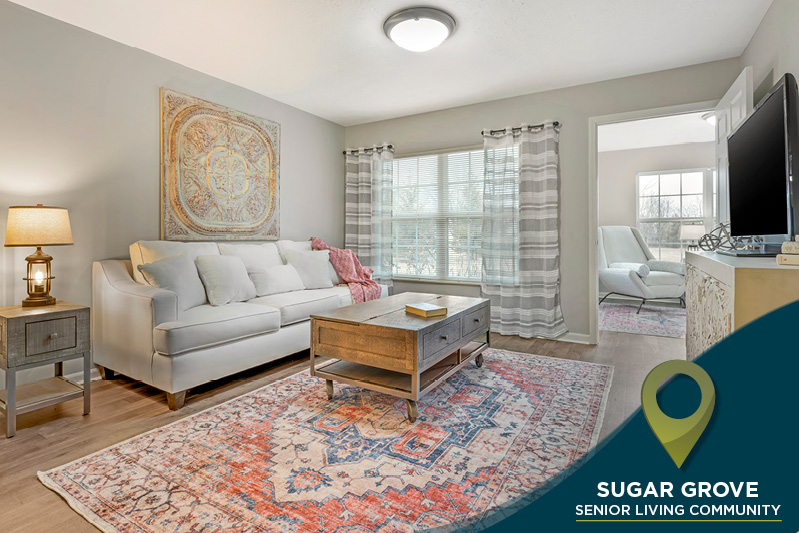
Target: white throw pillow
300	246
639	268
253	255
667	266
142	252
225	279
179	275
275	279
312	267
334	277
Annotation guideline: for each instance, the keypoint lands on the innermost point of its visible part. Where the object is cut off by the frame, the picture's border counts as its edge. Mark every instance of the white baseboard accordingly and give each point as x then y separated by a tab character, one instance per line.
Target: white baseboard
579	338
77	377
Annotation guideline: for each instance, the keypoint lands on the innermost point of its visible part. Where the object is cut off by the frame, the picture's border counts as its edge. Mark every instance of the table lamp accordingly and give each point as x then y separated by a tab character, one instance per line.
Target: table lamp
38	226
692	232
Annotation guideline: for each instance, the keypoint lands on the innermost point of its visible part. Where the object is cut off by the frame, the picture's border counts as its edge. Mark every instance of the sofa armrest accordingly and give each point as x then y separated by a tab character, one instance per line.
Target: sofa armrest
124	314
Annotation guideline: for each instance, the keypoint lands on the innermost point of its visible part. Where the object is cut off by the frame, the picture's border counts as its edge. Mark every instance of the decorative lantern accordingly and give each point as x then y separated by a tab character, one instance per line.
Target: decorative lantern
38	226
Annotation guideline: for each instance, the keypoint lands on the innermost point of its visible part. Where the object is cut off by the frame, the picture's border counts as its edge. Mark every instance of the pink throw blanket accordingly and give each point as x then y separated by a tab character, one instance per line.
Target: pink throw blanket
357	276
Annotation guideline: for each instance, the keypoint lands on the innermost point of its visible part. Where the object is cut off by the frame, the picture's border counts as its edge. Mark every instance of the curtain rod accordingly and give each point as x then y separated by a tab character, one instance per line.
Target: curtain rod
494	132
368	150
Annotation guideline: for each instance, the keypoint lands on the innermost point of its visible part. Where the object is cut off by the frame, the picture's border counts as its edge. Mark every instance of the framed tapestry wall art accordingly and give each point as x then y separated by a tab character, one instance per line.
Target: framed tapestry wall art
220	172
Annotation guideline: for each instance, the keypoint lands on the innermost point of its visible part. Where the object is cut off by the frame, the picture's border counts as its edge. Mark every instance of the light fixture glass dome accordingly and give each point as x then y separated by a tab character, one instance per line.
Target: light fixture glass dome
419	29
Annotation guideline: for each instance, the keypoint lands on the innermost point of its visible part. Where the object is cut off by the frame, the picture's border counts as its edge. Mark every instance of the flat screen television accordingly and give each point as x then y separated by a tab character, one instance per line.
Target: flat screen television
762	192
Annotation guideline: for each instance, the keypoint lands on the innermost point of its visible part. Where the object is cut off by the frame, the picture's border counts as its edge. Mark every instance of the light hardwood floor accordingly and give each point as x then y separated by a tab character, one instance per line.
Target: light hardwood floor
124	408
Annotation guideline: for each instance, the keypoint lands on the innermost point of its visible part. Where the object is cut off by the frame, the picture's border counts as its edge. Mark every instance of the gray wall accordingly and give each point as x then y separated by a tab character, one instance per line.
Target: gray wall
616	171
774	48
572	106
80	129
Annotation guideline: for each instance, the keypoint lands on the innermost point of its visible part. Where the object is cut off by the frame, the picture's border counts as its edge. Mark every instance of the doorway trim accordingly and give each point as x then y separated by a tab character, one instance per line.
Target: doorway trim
593	183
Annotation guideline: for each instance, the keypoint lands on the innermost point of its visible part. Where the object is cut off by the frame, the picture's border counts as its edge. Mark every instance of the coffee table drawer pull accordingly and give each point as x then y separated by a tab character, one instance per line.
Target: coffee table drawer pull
53	336
445	337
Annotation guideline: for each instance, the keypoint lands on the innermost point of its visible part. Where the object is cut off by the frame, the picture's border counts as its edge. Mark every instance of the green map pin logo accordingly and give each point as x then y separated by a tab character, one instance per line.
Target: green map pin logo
678	435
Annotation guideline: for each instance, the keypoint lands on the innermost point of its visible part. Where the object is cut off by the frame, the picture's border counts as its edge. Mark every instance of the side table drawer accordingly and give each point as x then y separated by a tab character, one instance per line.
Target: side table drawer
440	338
50	335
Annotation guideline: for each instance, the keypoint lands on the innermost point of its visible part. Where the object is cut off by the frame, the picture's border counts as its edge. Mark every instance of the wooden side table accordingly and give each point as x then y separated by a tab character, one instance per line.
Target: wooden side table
36	336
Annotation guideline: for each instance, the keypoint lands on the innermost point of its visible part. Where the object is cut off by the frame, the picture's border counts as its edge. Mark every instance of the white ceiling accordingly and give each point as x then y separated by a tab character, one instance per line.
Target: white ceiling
330	57
651	132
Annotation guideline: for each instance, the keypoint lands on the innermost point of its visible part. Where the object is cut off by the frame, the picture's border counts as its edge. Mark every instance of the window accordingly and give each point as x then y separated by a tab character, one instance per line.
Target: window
438	216
667	200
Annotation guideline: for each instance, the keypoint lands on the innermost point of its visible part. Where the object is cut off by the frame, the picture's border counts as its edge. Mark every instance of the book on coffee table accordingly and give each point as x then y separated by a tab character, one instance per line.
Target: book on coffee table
425	309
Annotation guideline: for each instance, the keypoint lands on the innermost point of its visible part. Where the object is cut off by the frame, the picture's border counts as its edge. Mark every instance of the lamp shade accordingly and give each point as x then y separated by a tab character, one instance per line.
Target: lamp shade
38	226
692	232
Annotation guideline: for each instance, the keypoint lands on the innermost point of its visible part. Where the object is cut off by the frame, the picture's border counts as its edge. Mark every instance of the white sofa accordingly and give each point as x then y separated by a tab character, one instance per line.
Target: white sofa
627	267
139	330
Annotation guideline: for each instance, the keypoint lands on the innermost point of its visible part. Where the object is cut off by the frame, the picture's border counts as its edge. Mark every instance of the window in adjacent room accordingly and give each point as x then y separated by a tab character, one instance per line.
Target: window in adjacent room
669	199
438	216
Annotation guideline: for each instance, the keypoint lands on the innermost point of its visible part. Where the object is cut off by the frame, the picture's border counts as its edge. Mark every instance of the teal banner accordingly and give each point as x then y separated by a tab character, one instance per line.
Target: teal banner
741	474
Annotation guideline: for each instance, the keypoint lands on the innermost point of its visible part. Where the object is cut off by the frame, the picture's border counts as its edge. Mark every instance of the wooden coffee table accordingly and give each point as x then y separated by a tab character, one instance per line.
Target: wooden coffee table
378	346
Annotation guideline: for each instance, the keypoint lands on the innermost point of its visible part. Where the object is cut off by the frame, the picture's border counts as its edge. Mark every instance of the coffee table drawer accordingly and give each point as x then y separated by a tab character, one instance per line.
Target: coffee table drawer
50	335
440	338
474	321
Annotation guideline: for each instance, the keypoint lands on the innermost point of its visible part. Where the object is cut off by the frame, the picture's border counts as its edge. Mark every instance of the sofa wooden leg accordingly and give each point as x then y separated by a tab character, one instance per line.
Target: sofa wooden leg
105	373
176	400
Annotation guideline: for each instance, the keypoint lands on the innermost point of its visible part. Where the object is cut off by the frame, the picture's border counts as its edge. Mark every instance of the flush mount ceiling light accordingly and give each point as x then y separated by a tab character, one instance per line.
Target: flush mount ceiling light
419	29
710	118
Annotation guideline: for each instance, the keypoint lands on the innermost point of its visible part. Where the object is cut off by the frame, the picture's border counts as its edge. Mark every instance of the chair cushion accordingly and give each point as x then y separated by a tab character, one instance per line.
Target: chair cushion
621	245
656	278
299	305
206	325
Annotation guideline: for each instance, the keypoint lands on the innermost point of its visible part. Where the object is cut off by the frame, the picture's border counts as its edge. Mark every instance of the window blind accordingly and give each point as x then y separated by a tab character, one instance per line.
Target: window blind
438	216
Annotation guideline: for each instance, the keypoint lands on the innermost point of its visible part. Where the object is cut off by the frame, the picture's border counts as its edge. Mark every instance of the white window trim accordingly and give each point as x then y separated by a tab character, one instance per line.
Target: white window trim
707	199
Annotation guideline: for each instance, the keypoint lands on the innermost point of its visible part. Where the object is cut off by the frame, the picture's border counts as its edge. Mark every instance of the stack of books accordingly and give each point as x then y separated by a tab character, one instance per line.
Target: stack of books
790	253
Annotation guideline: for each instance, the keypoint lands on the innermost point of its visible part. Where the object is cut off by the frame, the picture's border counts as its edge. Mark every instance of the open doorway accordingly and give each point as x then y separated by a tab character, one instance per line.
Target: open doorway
656	196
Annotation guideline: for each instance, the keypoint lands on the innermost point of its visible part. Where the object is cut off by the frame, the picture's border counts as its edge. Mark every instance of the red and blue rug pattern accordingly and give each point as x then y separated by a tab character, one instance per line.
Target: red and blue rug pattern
284	458
656	320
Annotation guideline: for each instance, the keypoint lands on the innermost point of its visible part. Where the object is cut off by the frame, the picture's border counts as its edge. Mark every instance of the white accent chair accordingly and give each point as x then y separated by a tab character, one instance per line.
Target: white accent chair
620	249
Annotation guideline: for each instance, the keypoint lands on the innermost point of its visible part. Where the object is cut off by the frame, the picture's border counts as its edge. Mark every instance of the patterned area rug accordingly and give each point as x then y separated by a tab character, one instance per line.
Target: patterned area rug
283	458
652	320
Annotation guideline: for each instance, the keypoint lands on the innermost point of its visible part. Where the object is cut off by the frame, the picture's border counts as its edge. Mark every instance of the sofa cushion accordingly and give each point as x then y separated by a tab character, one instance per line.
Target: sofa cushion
253	255
656	278
299	305
149	251
177	274
300	246
225	279
313	267
205	326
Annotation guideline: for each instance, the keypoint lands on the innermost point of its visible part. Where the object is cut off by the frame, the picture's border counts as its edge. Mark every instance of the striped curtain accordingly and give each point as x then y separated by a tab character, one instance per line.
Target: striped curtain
368	232
520	246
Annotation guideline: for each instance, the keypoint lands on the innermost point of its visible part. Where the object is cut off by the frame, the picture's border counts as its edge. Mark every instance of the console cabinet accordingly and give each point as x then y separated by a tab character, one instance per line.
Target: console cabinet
724	293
